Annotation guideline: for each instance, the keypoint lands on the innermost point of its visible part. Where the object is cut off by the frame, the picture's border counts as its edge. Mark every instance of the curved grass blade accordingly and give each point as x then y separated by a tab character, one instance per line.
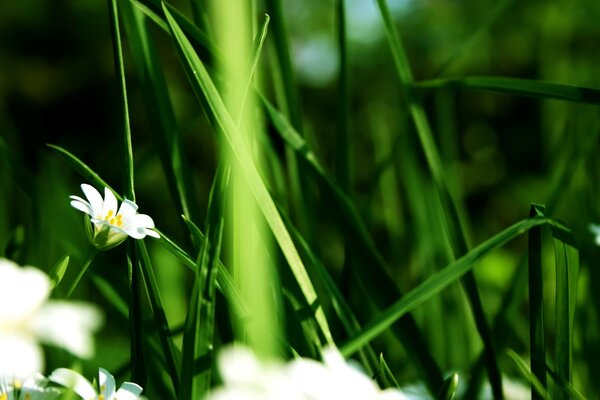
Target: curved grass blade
439	281
386	375
379	283
452	220
205	89
517	87
58	271
536	386
84	170
449	388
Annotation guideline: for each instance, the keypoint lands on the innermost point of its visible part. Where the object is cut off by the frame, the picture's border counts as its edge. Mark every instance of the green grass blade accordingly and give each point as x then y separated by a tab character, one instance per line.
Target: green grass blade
342	162
58	271
199	325
375	278
136	331
536	304
171	354
517	87
536	386
438	282
567	271
386	375
205	89
160	114
85	171
452	219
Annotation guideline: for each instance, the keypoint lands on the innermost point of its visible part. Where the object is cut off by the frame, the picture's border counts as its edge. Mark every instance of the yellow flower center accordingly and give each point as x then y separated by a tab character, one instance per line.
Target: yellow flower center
113	220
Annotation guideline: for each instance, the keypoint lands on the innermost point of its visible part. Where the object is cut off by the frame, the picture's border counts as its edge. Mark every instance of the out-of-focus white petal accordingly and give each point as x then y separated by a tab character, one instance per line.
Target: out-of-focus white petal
110	203
107	383
20	356
22	291
128	391
238	365
143	220
94	198
391	394
75	381
35	388
68	325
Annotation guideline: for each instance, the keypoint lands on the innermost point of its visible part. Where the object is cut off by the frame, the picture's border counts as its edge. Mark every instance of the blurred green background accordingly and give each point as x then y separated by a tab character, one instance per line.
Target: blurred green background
501	152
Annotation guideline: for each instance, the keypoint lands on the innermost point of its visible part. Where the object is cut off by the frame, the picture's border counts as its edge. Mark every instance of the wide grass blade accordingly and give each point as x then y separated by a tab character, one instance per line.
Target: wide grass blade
517	87
205	89
536	305
441	280
567	271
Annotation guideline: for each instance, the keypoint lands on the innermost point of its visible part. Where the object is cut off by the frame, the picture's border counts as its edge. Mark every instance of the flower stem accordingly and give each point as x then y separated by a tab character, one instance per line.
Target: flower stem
81	272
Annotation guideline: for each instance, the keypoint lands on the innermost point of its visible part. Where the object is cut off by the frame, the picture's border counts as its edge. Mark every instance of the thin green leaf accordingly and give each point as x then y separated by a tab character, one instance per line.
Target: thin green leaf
376	278
567	271
452	220
205	89
386	374
517	87
85	171
536	385
449	388
58	271
439	281
536	303
199	329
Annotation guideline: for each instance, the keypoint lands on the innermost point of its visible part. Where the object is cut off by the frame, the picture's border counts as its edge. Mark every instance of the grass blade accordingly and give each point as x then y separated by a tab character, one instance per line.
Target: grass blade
536	386
452	219
205	89
439	281
567	271
536	305
376	278
517	87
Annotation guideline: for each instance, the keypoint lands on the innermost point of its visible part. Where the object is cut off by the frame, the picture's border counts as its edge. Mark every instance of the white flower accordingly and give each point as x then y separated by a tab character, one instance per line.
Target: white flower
246	377
595	229
28	317
111	227
34	388
87	391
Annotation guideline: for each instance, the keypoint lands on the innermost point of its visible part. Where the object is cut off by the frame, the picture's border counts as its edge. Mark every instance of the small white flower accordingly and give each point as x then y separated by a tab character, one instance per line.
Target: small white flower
106	382
28	317
34	388
112	226
595	229
246	377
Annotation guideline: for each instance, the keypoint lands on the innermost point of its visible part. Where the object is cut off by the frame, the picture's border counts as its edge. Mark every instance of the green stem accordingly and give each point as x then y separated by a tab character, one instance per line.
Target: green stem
81	272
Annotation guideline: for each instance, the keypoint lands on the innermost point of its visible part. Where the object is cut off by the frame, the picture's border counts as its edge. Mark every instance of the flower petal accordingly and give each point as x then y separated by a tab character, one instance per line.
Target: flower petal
93	197
68	325
35	388
75	381
110	203
128	391
143	220
82	205
21	356
128	209
22	291
107	383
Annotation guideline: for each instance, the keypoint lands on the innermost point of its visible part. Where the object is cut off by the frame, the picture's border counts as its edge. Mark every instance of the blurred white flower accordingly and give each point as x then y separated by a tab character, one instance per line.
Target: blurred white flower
111	227
107	389
246	377
34	388
595	229
28	317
